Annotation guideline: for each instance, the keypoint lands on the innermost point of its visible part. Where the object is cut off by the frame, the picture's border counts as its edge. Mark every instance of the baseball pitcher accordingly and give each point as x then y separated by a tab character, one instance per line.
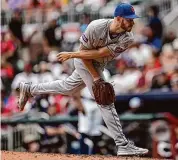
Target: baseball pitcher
103	40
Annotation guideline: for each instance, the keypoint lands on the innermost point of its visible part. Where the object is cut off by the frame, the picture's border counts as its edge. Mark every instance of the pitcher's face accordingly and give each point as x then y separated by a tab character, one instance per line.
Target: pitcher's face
127	24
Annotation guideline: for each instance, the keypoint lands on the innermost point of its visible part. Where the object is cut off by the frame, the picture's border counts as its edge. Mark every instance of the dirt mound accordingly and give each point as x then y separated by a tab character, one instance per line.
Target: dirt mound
8	155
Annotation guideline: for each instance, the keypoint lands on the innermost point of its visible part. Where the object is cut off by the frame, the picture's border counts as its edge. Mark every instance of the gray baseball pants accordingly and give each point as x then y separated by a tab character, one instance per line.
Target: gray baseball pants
78	80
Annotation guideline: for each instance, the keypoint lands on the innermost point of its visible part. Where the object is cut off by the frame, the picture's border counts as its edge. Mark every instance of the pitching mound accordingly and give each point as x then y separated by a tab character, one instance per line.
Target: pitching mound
7	155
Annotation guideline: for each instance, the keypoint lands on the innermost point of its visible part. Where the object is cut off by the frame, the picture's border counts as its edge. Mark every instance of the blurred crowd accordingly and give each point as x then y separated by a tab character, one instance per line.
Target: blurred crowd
28	53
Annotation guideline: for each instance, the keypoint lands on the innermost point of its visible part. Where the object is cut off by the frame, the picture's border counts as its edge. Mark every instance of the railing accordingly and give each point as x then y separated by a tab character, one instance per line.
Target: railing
167	6
12	136
41	15
16	129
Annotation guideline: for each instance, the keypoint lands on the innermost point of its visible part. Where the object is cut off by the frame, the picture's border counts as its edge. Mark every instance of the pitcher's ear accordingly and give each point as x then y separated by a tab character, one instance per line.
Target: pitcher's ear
119	18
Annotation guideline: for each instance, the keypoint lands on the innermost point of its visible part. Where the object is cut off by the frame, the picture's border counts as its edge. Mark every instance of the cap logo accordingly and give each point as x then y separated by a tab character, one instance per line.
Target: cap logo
132	9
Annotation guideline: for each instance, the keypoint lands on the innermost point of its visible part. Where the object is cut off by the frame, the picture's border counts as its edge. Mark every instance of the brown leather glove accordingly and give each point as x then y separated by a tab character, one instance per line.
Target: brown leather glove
103	92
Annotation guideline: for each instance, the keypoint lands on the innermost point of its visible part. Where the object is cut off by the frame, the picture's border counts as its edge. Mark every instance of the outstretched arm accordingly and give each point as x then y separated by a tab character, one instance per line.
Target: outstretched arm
87	57
84	54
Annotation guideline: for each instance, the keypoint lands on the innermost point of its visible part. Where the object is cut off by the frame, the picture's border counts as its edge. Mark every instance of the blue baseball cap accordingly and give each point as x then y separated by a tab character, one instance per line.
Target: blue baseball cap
125	10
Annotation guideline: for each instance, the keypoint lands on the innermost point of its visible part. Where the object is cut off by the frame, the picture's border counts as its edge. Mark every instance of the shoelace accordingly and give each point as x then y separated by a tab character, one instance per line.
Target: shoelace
113	84
132	144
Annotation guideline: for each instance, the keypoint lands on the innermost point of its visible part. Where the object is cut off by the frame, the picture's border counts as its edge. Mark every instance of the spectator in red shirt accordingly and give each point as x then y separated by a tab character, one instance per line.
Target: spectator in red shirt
7	74
7	45
10	106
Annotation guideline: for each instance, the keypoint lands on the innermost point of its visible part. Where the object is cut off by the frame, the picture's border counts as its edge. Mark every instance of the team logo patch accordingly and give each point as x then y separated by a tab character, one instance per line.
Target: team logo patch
84	38
128	43
119	49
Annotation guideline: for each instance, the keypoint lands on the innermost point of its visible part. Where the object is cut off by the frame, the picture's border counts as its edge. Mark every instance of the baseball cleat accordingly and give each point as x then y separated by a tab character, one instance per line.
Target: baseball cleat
131	150
24	89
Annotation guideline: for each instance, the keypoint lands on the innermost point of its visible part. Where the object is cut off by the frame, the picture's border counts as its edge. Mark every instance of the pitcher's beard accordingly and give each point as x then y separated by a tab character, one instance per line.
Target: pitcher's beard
127	29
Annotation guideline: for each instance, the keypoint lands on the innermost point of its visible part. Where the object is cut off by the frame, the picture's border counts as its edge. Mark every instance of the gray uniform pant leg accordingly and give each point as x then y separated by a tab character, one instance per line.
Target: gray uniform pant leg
108	112
70	85
79	78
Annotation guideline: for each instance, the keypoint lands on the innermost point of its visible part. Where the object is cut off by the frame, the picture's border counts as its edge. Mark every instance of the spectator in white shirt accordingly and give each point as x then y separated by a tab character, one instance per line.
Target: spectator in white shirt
26	76
45	74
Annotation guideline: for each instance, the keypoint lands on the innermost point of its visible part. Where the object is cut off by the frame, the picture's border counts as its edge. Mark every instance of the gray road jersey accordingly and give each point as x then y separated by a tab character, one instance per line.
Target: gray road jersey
97	36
